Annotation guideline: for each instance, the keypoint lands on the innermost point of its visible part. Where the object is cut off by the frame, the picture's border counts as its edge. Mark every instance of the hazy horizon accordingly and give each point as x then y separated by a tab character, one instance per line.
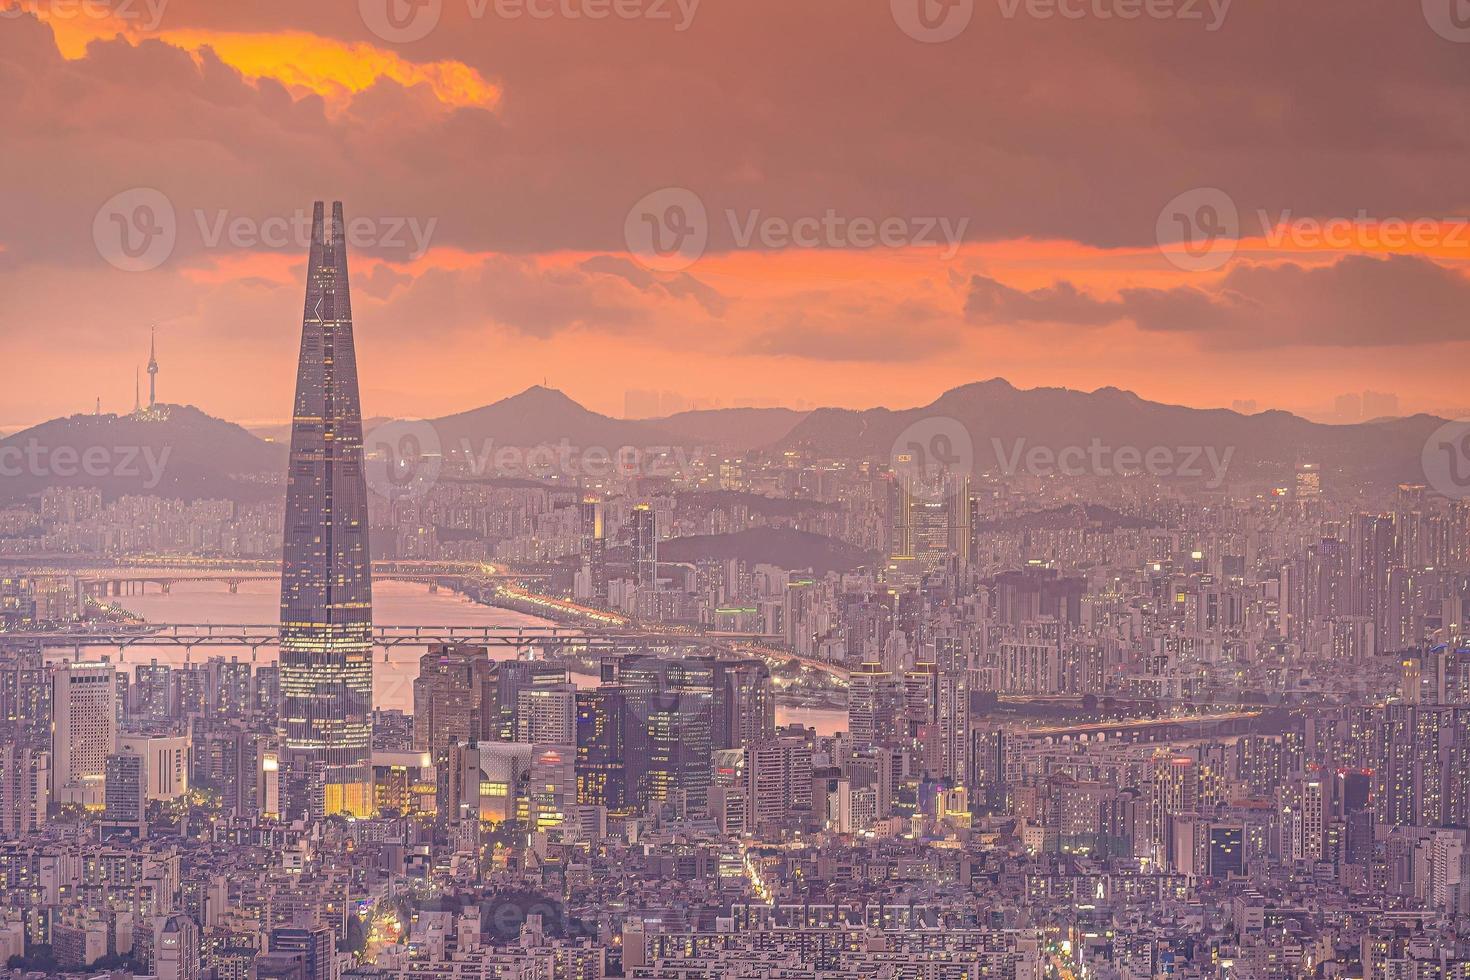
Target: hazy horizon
1321	415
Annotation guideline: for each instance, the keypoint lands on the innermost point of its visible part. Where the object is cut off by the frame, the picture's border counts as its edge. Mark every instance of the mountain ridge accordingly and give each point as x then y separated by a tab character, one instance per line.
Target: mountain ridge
179	451
999	418
209	455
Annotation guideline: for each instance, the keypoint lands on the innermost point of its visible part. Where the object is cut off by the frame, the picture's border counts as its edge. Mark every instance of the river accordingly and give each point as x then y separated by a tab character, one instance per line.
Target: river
394	603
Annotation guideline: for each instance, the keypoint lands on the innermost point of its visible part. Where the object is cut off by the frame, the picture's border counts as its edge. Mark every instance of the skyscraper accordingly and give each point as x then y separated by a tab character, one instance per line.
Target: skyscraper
645	557
511	678
930	523
152	684
601	769
326	584
25	702
547	713
453	699
176	947
553	786
744	704
780	774
669	711
126	790
865	704
83	730
316	944
25	775
594	550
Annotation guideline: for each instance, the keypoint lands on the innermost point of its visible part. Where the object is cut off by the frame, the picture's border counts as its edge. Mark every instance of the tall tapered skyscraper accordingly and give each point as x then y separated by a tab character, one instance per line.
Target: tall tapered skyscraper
326	574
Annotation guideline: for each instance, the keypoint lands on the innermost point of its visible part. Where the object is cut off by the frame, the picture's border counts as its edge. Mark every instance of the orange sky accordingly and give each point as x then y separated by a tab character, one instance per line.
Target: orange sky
1029	176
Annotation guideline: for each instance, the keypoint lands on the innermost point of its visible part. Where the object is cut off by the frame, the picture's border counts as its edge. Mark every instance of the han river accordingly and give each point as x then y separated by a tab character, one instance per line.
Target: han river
394	604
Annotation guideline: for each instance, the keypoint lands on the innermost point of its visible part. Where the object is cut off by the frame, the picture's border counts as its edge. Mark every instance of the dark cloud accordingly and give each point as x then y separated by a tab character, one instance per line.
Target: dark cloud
1358	301
836	329
1027	127
516	294
678	285
991	301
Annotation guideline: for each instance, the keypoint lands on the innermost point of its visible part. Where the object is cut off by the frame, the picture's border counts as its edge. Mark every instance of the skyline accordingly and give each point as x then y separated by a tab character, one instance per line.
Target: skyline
1087	596
510	218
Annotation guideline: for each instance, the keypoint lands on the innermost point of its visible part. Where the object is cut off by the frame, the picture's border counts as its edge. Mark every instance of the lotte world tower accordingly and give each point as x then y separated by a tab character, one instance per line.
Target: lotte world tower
326	581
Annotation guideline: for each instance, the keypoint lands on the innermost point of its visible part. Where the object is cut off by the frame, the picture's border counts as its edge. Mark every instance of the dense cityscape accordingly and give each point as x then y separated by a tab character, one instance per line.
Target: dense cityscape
1114	726
936	678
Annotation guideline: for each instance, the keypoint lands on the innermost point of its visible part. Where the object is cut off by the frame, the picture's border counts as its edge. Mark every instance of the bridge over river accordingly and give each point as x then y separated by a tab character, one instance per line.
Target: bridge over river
164	573
537	640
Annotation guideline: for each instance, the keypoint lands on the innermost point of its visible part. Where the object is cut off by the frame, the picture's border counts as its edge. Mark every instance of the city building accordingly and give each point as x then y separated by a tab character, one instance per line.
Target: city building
84	730
326	579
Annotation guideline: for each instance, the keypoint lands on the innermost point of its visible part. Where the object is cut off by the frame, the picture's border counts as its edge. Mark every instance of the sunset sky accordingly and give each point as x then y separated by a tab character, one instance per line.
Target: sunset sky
512	151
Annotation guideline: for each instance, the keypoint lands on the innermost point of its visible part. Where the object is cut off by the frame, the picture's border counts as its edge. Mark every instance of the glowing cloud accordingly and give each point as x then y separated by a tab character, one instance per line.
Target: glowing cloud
335	70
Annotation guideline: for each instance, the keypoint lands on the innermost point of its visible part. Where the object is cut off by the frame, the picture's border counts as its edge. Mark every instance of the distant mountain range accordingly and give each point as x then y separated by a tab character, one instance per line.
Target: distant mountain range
1004	425
545	416
733	429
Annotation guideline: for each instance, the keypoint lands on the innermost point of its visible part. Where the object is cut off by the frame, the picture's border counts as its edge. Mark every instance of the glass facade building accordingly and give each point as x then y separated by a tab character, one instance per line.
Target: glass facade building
326	584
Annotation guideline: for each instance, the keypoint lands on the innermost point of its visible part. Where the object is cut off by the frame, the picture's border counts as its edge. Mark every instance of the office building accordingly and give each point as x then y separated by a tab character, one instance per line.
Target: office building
326	580
84	730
